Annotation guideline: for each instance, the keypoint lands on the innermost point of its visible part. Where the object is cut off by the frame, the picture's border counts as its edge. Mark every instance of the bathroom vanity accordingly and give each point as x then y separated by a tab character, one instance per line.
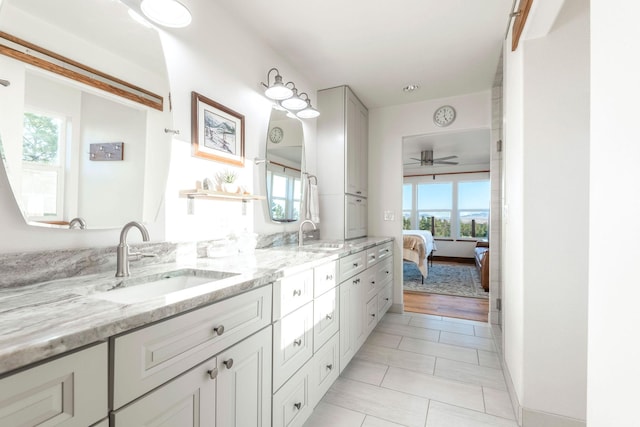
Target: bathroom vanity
256	346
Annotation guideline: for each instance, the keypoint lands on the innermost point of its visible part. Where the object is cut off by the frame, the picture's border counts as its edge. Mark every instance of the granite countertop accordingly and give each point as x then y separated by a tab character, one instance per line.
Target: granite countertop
46	319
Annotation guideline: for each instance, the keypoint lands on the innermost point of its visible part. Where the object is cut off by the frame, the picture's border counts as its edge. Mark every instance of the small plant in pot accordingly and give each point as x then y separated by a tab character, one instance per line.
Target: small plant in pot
227	180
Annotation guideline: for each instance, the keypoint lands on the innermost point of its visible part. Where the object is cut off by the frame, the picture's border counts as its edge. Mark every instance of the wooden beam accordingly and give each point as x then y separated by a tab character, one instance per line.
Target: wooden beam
520	21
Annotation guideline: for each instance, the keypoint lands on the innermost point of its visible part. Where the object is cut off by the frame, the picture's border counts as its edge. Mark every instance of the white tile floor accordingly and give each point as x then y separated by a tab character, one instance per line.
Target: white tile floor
423	371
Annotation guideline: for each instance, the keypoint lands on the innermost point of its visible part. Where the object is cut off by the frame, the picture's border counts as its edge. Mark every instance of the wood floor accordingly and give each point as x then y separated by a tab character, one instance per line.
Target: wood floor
447	305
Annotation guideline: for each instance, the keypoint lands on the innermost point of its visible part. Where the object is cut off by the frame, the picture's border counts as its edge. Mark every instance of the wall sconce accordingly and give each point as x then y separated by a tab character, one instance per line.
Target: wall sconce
286	97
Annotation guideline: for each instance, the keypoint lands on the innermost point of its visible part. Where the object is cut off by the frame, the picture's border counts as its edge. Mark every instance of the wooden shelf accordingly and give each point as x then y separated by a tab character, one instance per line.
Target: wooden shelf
218	195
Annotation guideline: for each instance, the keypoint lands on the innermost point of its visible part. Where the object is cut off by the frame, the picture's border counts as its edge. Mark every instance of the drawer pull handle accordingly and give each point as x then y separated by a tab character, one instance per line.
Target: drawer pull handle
387	271
373	315
219	330
355	282
213	373
355	265
330	366
386	299
329	316
297	342
386	250
228	363
298	405
373	282
329	277
297	292
372	256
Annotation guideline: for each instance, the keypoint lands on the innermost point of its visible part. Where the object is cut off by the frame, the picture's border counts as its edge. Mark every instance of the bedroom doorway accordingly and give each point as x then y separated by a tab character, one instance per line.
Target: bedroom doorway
446	204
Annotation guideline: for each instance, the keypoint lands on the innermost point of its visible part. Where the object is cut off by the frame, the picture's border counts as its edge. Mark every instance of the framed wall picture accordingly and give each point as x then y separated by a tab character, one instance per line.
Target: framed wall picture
217	132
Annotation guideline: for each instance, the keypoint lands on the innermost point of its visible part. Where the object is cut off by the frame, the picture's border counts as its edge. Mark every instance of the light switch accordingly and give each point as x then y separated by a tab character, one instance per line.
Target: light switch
389	215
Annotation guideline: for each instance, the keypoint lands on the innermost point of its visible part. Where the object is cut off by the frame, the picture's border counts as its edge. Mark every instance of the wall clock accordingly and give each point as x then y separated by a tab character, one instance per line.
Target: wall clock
444	115
275	135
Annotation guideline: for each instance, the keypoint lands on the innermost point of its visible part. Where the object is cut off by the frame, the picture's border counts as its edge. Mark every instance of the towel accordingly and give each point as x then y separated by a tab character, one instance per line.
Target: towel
313	206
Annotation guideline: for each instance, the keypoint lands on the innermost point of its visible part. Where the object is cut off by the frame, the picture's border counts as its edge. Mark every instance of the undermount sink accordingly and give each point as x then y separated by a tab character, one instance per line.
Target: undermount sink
173	285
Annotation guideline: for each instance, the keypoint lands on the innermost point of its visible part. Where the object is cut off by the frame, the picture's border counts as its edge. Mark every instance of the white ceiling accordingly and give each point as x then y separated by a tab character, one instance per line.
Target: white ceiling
447	47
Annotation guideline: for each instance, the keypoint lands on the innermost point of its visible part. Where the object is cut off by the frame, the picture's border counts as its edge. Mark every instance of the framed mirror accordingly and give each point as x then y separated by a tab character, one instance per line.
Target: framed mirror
284	154
73	148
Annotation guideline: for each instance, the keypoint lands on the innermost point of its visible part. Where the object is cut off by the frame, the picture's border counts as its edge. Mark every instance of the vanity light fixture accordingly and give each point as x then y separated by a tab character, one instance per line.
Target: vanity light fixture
410	88
309	112
168	13
276	91
286	97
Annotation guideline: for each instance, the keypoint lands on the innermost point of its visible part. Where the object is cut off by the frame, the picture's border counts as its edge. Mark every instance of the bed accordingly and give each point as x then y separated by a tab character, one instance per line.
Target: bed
417	247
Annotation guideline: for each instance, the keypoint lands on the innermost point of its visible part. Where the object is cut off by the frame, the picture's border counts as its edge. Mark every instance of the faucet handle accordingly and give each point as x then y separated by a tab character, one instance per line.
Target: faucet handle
136	256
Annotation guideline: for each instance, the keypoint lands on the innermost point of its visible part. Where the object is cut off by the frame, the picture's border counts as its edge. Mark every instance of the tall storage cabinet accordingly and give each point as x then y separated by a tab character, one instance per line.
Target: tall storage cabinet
342	163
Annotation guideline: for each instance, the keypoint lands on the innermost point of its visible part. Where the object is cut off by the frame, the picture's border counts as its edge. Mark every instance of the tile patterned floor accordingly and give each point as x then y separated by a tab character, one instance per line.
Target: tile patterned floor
423	371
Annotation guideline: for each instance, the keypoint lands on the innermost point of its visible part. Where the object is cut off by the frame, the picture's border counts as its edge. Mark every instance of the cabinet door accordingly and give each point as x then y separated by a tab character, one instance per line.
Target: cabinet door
70	391
355	216
384	299
292	403
326	316
293	343
356	146
244	383
351	318
371	316
325	368
187	401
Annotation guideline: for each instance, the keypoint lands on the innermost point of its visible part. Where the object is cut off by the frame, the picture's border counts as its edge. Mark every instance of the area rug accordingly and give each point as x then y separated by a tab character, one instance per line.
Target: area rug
445	278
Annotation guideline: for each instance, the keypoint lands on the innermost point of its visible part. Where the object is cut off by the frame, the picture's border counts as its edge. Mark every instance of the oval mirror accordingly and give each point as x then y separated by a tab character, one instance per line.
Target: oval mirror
77	155
284	154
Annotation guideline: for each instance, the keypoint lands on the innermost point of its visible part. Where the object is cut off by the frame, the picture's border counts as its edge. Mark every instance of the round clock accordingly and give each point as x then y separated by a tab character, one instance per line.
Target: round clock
444	115
275	135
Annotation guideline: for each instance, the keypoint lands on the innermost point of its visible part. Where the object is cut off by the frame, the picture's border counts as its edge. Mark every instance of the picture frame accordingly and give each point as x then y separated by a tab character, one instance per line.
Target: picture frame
217	132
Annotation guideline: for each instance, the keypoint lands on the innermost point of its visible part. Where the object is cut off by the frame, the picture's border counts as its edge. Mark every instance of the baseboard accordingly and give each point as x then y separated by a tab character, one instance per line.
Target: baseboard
526	417
454	259
531	418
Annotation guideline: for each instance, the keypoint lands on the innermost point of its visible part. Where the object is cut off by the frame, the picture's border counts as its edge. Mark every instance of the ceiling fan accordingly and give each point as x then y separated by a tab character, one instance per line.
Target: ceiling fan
426	159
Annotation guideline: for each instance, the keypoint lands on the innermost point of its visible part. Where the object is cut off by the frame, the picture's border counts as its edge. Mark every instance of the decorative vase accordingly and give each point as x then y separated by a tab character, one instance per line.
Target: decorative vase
229	187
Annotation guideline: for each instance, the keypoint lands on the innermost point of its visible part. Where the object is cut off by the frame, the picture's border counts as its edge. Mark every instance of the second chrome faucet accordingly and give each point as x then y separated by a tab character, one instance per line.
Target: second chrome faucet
123	256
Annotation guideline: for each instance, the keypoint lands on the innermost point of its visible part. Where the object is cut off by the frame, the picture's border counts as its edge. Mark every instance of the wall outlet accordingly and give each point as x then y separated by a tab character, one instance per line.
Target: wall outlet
389	215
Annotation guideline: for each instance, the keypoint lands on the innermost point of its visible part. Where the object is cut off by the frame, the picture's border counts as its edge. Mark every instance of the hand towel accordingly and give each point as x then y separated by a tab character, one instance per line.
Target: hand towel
313	211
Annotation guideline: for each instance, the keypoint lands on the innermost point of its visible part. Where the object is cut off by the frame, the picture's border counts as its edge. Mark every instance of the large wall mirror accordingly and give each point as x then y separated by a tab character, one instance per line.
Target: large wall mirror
62	137
285	153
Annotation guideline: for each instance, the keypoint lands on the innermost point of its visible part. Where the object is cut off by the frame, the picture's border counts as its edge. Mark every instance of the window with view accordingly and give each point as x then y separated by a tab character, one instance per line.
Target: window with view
434	206
473	209
43	144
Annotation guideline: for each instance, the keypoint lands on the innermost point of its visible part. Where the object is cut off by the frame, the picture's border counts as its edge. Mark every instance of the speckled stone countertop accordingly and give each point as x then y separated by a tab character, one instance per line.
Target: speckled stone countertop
46	319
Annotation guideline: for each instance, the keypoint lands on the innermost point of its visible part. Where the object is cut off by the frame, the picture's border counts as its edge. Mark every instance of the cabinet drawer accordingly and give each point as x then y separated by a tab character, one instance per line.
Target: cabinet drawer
290	293
385	299
326	314
372	256
325	369
371	314
352	265
186	401
324	278
69	391
384	272
370	284
146	358
292	403
385	251
292	343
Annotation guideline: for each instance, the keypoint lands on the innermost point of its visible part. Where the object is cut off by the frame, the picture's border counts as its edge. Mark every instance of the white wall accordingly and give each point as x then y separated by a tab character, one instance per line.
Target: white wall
613	369
387	127
546	242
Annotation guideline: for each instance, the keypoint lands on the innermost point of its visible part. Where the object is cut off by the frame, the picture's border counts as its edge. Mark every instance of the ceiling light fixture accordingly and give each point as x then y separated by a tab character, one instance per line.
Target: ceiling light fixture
286	96
410	88
168	13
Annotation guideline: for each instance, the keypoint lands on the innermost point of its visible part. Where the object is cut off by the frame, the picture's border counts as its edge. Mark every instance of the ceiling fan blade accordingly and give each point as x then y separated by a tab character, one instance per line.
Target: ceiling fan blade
446	158
445	163
413	158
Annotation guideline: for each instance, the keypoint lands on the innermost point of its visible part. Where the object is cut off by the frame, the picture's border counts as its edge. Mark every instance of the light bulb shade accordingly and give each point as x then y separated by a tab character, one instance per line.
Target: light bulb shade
277	90
294	102
168	13
309	112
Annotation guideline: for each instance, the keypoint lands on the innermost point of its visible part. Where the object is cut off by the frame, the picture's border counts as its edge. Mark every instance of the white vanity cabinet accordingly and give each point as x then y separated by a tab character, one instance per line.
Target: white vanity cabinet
70	391
342	163
365	296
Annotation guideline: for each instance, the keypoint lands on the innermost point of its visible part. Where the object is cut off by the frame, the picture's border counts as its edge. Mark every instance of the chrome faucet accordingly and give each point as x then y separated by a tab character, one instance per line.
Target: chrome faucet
301	233
123	256
78	221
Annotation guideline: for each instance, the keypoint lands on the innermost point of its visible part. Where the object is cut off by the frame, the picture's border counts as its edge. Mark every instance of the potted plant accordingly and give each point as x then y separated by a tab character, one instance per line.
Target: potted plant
227	180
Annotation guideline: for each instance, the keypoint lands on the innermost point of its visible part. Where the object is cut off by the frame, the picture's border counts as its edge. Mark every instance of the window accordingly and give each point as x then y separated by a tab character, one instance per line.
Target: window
473	209
457	209
434	206
43	166
286	191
